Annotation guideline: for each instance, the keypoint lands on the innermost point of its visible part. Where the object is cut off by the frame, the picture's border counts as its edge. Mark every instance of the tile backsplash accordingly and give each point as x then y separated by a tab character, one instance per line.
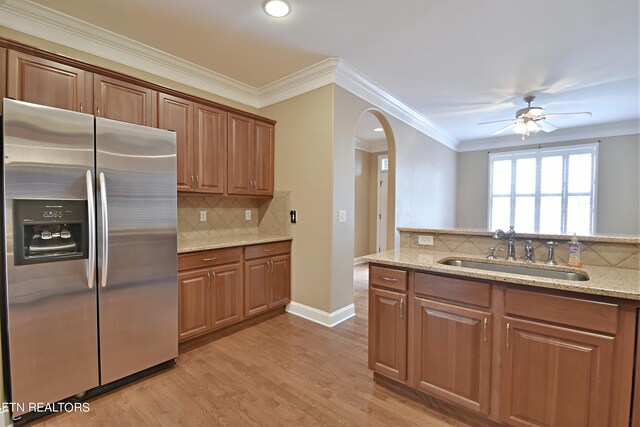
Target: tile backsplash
604	254
226	216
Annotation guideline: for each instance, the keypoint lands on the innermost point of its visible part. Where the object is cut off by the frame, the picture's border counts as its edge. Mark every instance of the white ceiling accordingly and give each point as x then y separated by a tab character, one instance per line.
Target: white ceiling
455	62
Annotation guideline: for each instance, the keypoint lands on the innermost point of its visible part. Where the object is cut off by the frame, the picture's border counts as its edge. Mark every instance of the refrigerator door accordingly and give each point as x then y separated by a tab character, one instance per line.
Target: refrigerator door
51	306
137	247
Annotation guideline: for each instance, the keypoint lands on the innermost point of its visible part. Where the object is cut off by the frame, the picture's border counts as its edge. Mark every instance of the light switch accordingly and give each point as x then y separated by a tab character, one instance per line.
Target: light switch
247	214
203	216
342	216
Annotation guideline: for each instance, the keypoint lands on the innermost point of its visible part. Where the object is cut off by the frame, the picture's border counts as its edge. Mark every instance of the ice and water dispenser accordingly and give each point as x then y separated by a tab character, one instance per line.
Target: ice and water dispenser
49	230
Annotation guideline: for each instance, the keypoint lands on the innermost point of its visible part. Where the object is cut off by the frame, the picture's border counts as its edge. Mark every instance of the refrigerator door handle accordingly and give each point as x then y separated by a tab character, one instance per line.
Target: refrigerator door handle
105	229
92	231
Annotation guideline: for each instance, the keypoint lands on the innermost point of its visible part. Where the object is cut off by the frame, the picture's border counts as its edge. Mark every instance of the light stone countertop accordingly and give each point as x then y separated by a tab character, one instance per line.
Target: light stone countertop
203	244
607	281
605	238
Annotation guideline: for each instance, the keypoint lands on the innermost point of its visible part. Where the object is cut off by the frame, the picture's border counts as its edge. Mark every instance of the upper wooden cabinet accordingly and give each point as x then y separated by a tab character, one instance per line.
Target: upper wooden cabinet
210	158
250	156
127	102
49	83
176	114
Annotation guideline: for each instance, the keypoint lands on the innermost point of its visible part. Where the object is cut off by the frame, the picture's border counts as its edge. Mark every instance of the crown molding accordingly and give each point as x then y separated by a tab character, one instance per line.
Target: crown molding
48	24
628	127
310	78
357	83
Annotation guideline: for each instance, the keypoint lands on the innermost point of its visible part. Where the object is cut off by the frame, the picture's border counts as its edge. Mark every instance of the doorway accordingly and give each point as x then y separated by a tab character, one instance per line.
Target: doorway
374	207
383	193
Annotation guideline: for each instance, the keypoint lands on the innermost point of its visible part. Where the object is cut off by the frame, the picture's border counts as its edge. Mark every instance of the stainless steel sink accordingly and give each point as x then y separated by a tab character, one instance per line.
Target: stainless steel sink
516	269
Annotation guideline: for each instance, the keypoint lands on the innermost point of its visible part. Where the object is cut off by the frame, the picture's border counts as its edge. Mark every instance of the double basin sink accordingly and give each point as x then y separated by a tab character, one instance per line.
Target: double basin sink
516	269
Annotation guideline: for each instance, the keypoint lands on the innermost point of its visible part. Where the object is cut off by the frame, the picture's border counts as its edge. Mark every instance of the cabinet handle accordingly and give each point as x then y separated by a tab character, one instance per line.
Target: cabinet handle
192	182
208	279
388	279
484	329
98	111
268	250
508	329
197	183
214	278
271	265
402	308
210	259
81	108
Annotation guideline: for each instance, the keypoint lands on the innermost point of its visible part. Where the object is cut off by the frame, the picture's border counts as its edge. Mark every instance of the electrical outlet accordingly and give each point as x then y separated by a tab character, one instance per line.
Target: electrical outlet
342	216
203	216
425	240
247	214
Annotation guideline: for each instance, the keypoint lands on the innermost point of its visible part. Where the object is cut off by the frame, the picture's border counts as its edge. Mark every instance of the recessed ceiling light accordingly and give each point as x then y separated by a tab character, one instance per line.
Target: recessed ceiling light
277	8
378	130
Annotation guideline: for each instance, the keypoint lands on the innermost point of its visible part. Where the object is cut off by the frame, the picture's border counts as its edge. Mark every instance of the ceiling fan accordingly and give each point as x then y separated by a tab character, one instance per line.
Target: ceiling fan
533	119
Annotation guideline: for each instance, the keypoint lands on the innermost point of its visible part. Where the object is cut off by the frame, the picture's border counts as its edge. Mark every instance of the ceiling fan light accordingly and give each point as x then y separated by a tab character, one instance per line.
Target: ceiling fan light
536	112
520	127
532	126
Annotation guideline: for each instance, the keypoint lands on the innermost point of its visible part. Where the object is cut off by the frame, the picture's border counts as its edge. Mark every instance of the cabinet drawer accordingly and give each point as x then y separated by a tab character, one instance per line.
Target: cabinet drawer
453	289
209	258
582	313
267	249
388	278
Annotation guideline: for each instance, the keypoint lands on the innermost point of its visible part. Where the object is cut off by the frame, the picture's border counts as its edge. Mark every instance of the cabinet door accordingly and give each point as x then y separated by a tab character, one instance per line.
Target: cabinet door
176	114
256	286
45	82
388	333
554	376
193	303
211	149
226	295
240	142
3	75
280	280
127	102
262	158
452	353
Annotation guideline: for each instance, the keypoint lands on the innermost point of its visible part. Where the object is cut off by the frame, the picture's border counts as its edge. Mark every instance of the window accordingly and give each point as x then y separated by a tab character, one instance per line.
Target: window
547	190
384	163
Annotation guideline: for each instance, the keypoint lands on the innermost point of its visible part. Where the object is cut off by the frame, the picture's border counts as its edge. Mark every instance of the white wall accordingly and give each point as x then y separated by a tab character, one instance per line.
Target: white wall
618	193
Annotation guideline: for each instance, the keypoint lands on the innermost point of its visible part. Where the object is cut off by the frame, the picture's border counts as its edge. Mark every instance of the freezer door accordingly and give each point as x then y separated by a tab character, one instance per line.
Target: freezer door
51	306
137	247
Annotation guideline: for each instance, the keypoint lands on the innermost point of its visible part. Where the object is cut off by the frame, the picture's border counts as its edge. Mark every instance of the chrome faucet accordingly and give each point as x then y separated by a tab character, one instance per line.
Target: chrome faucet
528	251
550	246
511	249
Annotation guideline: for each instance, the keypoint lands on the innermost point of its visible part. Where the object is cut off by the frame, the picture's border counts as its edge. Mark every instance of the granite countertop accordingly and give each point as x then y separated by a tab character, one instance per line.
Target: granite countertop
607	238
607	281
203	244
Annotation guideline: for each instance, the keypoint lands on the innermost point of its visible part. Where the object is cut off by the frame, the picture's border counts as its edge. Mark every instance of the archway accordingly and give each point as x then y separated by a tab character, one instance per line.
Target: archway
374	195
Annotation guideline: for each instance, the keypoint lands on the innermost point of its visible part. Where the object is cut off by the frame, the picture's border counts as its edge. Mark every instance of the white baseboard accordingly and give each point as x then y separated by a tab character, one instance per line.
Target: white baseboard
322	317
358	261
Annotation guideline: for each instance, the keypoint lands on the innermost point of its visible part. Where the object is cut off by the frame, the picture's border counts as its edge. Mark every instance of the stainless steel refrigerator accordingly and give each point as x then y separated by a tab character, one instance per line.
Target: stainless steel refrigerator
90	251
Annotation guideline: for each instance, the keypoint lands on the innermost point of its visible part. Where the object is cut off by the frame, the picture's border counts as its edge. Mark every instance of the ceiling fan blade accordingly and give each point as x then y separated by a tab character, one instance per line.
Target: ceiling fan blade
546	126
503	129
496	121
584	114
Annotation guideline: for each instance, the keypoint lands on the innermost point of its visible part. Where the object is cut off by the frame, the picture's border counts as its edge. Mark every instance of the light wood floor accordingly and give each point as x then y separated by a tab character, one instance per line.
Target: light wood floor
286	371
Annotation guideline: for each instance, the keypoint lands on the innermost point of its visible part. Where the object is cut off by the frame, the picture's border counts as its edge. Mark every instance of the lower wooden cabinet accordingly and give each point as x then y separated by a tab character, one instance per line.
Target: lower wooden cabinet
226	295
518	356
452	353
267	283
388	333
193	303
555	376
217	288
